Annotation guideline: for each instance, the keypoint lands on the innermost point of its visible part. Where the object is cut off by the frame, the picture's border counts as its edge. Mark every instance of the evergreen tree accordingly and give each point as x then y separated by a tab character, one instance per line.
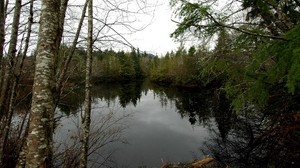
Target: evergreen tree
127	68
136	64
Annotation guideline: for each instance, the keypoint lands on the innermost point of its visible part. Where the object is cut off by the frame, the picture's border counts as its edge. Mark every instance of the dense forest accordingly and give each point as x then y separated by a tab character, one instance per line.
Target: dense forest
247	51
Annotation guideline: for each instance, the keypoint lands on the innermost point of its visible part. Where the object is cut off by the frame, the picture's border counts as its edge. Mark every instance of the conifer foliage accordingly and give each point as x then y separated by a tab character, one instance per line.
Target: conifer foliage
254	53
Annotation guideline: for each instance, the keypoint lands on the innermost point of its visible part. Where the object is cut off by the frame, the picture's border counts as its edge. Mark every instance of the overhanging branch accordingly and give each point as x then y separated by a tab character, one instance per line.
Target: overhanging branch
243	30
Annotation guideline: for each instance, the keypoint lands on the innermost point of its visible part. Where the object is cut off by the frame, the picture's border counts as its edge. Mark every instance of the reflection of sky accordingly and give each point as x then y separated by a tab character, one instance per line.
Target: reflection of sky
155	133
158	133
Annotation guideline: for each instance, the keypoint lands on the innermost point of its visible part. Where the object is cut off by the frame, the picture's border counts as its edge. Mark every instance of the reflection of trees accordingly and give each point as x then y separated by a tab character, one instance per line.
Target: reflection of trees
107	129
195	104
130	93
71	101
258	140
245	139
252	139
223	115
126	92
198	105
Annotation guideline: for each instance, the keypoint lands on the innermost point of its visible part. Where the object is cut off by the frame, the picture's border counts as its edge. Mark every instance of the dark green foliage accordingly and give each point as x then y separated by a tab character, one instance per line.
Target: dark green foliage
127	70
180	68
275	64
256	64
273	12
195	19
136	58
255	60
109	65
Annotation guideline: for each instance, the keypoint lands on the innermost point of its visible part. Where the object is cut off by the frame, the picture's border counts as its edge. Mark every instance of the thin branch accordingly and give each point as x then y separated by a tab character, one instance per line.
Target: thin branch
243	30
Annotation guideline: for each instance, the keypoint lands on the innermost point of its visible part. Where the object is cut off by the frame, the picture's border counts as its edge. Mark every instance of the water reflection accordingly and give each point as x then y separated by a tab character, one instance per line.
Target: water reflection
160	129
126	93
257	140
130	93
197	105
172	124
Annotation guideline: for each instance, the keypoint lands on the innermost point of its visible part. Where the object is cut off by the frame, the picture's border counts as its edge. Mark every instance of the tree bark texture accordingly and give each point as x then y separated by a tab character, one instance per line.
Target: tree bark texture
2	30
87	105
39	140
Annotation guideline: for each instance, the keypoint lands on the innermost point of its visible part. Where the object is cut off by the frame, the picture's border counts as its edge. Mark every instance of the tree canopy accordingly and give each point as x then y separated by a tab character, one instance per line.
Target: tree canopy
256	49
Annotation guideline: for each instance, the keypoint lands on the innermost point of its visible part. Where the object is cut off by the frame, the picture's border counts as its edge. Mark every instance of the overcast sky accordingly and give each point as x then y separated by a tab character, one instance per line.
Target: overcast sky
156	37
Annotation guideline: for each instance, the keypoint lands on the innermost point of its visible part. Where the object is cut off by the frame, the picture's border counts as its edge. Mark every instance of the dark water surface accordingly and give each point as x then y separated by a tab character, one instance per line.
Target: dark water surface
161	123
141	124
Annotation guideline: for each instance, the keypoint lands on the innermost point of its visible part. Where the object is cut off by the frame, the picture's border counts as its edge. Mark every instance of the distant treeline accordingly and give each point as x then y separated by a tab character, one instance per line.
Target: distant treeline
177	68
110	65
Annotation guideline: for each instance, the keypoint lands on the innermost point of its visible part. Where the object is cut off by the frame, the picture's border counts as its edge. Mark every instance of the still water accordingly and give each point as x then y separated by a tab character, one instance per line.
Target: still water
154	124
143	125
158	133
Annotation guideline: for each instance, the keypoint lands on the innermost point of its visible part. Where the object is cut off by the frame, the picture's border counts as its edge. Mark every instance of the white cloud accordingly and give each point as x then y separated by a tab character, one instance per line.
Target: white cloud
156	37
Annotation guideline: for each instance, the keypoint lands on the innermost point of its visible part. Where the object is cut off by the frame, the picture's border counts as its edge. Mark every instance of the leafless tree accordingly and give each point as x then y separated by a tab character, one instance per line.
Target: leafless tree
106	128
87	102
8	75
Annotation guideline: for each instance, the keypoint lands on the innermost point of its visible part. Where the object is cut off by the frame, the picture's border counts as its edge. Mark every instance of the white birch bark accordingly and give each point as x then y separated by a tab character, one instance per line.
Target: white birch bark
39	140
87	105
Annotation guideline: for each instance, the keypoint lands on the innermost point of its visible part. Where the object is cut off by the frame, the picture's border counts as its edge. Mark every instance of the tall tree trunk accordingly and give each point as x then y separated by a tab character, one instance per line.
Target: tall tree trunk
60	75
27	40
62	15
16	77
22	154
16	81
39	139
2	39
87	105
2	31
9	68
11	56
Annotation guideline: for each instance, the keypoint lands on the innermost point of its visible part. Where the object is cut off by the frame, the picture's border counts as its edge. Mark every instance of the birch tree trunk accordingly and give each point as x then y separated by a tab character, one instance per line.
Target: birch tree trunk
62	15
87	105
39	139
2	30
11	56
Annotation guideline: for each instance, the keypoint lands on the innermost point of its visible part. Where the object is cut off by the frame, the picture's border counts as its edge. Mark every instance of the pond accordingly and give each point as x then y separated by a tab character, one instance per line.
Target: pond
140	124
